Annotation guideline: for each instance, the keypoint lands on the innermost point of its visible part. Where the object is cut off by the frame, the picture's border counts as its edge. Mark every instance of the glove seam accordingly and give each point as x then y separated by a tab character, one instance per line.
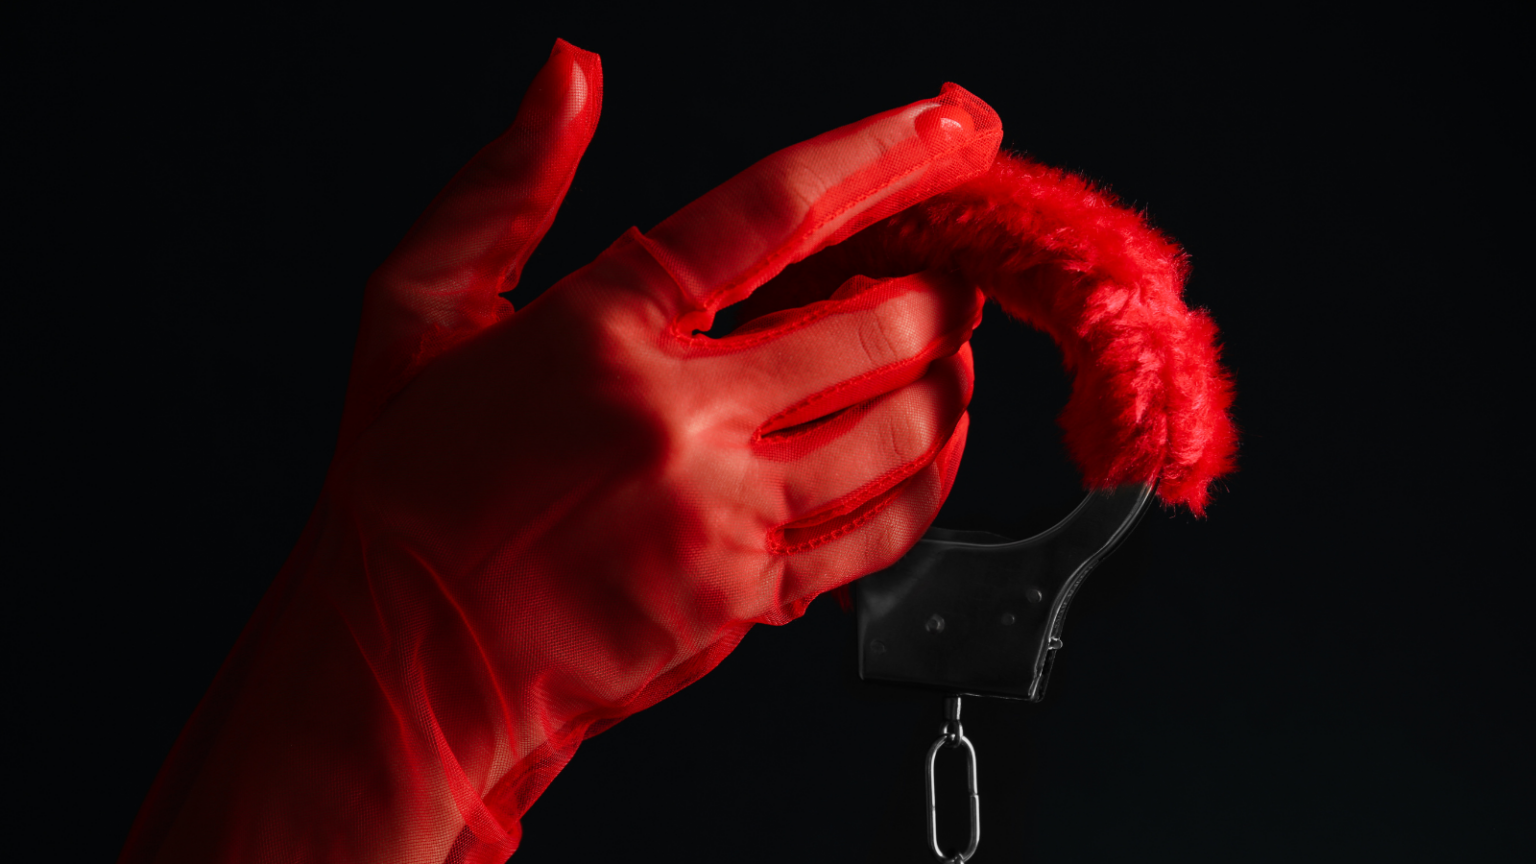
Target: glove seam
933	352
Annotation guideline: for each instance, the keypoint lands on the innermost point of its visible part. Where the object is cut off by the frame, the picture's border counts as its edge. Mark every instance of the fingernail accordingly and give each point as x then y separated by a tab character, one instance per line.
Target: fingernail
943	127
556	73
550	96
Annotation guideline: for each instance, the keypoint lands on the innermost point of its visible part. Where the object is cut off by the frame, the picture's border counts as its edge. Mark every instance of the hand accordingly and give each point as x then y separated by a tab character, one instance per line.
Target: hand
541	522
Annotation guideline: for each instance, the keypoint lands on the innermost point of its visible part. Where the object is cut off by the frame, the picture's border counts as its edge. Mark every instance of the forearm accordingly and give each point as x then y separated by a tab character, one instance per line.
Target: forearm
375	712
300	753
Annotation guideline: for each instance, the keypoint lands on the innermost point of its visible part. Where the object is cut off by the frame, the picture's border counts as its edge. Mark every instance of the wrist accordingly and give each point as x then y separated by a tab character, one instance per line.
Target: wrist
297	752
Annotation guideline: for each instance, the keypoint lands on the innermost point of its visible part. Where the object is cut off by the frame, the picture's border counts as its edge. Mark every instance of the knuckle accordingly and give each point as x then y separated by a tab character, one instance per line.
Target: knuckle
877	340
802	182
904	326
912	428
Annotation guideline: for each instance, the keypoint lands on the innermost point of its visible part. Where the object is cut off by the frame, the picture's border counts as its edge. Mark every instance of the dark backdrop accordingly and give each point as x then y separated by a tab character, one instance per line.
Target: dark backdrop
1331	667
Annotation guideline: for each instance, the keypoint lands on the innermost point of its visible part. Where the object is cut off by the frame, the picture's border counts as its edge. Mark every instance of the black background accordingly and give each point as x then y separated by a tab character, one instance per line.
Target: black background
1331	667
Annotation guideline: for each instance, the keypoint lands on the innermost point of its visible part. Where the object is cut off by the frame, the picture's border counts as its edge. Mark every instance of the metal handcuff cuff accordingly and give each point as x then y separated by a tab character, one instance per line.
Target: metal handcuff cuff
975	614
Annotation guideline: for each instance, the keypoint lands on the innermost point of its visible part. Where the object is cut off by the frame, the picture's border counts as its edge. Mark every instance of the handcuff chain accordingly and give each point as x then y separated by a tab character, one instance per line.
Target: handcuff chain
953	736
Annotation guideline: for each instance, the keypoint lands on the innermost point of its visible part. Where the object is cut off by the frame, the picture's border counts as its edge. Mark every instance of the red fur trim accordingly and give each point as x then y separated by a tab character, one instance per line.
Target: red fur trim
1149	396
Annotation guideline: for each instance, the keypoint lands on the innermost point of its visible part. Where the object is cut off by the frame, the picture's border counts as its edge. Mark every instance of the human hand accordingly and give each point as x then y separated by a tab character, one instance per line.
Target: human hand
604	501
538	523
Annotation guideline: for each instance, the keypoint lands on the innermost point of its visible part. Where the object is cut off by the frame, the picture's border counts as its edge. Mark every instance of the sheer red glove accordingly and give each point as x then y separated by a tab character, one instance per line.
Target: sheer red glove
540	523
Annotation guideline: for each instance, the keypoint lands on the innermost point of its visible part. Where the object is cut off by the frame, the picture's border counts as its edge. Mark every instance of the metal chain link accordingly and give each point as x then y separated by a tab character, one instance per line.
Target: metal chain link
954	736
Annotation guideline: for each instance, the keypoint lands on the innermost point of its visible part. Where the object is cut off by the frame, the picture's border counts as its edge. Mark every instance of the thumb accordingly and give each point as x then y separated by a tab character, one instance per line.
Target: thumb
442	282
478	232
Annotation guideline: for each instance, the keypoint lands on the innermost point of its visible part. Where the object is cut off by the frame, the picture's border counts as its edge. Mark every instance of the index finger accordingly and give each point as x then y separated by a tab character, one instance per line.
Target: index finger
816	193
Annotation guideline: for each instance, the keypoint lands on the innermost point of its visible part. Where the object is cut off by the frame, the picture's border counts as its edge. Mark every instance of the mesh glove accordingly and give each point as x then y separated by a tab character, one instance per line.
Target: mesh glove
538	523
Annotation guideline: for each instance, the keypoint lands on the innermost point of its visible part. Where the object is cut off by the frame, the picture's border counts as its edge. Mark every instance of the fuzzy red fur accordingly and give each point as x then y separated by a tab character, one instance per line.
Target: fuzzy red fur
1149	397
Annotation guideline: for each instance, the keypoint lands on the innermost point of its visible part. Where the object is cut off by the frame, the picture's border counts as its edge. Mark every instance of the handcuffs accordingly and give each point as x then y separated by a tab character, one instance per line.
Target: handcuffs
971	613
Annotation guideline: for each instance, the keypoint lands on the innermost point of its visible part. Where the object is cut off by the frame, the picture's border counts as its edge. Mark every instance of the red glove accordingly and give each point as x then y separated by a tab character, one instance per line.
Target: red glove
540	523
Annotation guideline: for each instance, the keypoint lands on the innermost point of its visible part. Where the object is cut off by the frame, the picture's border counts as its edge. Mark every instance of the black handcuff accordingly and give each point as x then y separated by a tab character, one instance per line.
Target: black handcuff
971	613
